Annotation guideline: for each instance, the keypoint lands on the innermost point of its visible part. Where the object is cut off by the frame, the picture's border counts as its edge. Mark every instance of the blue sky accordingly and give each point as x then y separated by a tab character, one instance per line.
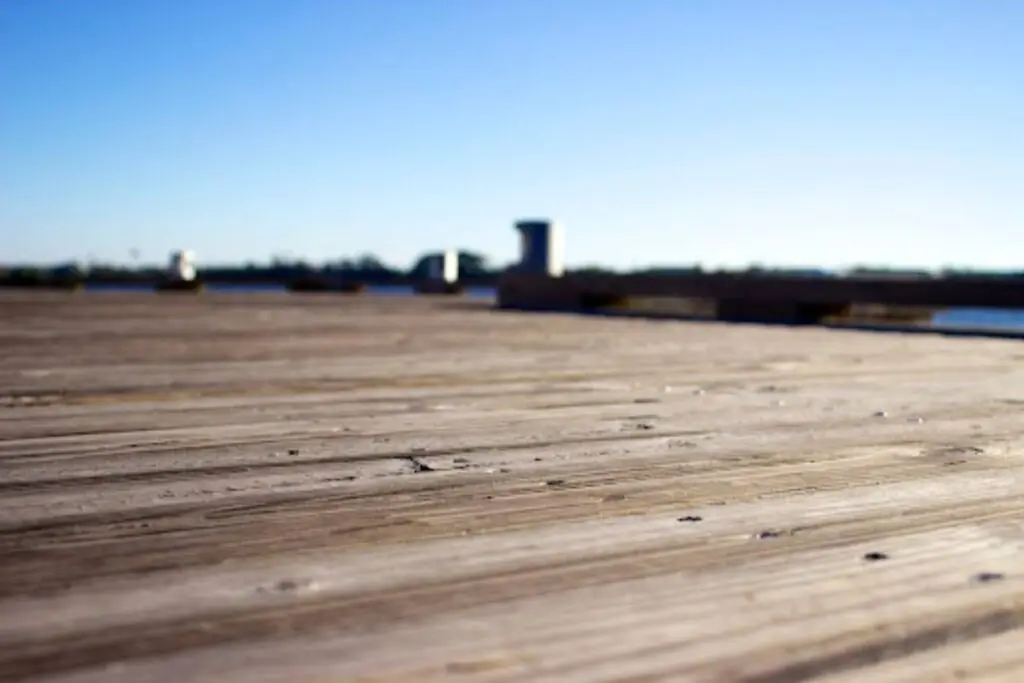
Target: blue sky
656	131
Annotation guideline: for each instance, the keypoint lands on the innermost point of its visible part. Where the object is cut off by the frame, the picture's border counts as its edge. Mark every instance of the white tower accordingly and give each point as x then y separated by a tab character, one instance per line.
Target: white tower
444	267
542	250
182	266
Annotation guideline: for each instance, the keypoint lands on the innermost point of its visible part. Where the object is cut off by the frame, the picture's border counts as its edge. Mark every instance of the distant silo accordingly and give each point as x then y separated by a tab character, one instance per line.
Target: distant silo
182	266
542	250
444	267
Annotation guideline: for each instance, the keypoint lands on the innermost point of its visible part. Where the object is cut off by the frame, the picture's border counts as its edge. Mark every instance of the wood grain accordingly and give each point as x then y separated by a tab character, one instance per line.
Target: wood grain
245	487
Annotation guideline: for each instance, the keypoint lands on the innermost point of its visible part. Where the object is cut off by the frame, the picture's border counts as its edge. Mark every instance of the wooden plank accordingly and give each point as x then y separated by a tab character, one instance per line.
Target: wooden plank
309	488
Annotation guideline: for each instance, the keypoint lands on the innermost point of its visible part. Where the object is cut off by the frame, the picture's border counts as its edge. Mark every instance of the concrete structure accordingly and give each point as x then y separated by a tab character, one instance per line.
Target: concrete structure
749	296
538	282
182	266
542	250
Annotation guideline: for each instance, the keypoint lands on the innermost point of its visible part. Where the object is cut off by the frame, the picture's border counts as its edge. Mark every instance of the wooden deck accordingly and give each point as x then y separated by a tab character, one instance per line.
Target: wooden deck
315	488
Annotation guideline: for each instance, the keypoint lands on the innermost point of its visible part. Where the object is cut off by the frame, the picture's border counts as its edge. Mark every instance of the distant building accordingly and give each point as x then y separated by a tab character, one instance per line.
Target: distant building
182	266
443	267
542	250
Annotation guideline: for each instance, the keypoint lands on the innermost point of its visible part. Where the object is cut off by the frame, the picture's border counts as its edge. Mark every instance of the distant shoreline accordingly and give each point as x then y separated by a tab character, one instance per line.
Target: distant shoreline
306	283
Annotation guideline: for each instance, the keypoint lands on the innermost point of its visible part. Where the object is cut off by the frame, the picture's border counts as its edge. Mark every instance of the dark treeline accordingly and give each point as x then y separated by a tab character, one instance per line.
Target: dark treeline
474	268
367	268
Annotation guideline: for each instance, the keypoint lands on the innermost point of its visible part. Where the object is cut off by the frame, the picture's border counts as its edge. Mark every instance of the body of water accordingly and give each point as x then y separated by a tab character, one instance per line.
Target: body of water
955	318
980	317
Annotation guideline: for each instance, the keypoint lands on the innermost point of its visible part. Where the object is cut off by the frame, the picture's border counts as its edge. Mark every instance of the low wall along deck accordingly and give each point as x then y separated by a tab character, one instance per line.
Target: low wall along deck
762	297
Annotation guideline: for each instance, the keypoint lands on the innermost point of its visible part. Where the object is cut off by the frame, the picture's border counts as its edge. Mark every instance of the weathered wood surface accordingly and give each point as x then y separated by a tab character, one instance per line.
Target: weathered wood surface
302	488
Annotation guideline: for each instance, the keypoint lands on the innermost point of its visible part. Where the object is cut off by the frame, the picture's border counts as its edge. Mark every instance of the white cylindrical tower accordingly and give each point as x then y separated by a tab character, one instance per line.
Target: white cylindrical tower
444	267
542	250
182	266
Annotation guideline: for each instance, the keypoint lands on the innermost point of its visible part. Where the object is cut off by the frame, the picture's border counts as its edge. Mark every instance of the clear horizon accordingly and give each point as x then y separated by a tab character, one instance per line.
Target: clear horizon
658	132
